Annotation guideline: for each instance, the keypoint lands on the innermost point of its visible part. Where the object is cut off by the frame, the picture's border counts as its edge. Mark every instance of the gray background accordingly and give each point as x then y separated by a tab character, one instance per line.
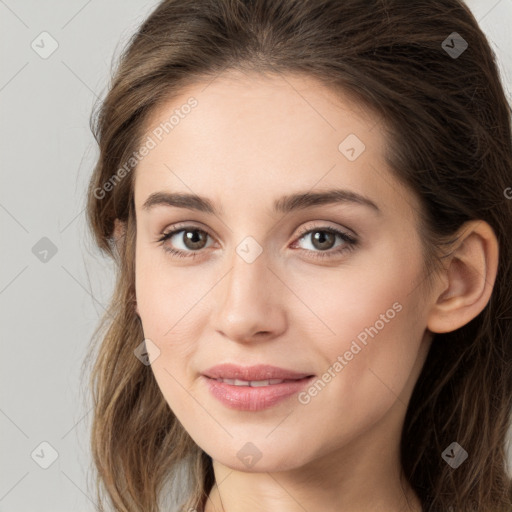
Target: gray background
50	308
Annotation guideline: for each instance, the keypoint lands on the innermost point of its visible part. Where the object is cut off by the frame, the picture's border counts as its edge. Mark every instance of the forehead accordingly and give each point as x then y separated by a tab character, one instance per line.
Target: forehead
253	137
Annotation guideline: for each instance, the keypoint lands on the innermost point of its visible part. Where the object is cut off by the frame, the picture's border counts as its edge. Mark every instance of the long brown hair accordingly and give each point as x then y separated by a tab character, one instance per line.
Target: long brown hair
448	128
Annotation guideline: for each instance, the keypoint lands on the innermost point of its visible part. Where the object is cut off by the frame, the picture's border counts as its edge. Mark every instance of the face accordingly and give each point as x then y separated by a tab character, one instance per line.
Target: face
327	288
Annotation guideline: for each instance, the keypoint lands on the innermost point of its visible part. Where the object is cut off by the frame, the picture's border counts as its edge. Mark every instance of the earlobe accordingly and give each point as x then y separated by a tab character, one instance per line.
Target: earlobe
468	278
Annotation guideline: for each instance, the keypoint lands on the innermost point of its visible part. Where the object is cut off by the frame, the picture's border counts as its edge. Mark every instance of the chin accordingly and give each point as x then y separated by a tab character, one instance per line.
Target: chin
262	462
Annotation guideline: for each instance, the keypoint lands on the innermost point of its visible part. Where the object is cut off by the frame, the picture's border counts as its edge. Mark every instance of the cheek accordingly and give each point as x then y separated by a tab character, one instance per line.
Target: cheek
371	331
168	302
342	302
166	295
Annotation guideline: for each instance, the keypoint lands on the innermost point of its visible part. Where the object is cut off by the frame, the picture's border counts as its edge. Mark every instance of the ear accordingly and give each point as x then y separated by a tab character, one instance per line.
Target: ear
468	278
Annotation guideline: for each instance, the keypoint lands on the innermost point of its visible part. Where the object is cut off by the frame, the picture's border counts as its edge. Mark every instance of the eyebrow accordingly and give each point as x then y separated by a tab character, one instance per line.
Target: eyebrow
285	204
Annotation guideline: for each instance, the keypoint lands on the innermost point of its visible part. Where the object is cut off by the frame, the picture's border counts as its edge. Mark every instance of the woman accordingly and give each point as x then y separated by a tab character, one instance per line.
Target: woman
307	203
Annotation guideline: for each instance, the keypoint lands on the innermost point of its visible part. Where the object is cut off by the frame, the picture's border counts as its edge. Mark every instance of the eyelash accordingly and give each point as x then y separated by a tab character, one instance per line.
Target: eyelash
350	241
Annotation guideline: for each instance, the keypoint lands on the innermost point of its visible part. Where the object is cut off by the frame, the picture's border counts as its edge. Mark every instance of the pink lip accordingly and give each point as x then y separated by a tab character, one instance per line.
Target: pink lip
258	372
248	398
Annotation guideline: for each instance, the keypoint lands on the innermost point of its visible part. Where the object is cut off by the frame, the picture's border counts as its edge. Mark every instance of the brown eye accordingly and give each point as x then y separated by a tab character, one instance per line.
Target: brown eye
194	239
186	241
323	240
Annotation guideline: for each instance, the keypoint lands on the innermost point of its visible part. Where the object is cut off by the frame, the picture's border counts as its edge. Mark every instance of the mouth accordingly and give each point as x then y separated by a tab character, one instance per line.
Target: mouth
257	373
253	388
254	383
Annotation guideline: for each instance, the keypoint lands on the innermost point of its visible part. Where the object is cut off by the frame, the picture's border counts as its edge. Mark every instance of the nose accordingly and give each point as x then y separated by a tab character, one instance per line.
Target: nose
248	302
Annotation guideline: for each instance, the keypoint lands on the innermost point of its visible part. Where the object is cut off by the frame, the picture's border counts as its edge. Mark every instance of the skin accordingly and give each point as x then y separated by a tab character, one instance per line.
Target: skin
250	140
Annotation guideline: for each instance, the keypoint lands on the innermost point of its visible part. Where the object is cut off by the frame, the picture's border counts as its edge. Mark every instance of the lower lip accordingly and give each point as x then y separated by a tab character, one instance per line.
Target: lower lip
248	398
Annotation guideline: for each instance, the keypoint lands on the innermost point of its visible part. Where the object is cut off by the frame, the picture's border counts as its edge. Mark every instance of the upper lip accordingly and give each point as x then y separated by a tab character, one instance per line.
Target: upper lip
250	373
